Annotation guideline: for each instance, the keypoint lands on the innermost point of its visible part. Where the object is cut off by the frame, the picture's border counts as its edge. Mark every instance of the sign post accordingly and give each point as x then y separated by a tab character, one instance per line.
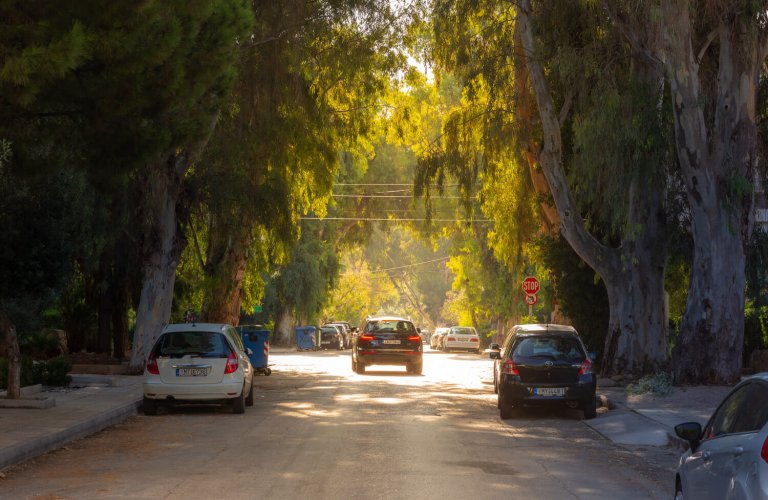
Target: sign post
531	287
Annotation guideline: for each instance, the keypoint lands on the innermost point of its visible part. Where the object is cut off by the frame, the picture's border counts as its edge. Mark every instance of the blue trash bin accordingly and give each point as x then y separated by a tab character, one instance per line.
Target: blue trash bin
257	340
305	338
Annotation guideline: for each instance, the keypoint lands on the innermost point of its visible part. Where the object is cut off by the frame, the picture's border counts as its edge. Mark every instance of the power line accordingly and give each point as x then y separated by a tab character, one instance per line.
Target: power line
408	265
385	184
394	196
395	220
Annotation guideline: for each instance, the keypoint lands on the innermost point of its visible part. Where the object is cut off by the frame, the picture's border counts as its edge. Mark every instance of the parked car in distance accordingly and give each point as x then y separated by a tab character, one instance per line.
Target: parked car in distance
332	337
198	363
436	339
346	330
388	340
462	337
424	334
729	457
543	364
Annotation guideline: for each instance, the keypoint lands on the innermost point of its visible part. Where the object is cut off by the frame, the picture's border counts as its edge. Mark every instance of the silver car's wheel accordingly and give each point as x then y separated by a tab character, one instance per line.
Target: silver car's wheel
679	491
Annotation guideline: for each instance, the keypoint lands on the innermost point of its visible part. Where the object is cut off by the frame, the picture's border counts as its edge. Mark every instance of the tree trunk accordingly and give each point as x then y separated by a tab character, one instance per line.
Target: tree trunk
8	329
717	157
634	272
119	295
104	323
225	269
162	250
284	326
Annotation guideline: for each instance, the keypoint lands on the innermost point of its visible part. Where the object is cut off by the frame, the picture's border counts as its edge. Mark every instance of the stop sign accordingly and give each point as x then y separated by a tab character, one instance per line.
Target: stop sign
531	285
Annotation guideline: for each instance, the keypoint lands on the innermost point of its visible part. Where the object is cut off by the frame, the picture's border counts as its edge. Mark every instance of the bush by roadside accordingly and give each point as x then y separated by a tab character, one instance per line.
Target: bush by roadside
54	372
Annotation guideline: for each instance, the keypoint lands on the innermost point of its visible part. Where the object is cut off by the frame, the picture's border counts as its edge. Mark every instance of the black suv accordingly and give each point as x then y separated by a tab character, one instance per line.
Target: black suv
388	340
543	365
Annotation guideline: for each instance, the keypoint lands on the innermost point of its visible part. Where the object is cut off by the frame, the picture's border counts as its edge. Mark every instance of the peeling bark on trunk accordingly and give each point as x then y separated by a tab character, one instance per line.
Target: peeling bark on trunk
162	250
634	273
284	326
714	155
8	329
225	269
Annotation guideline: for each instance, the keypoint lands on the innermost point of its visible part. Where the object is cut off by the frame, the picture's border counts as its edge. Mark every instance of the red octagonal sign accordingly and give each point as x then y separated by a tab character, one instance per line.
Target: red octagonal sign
531	285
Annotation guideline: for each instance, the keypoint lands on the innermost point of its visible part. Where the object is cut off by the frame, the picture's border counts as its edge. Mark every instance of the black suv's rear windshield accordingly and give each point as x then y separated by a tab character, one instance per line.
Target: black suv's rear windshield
203	344
556	348
390	326
329	330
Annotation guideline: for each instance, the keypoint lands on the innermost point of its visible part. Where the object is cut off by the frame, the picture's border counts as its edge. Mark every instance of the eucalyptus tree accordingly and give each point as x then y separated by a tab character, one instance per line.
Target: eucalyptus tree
597	135
713	56
309	87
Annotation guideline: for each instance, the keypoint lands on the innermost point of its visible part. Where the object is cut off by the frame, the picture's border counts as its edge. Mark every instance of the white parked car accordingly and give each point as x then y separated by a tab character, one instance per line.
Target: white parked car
462	337
198	363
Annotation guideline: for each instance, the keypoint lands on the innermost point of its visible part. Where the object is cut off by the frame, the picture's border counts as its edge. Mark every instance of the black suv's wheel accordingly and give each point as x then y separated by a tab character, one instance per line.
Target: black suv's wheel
590	409
360	368
416	368
149	406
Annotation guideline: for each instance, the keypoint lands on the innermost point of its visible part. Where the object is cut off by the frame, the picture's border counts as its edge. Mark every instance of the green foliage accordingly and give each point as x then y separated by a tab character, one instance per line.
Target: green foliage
581	294
54	372
659	384
27	372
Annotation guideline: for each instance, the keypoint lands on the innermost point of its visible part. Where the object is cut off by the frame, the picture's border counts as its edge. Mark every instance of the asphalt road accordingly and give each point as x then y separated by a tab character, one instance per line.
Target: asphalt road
319	431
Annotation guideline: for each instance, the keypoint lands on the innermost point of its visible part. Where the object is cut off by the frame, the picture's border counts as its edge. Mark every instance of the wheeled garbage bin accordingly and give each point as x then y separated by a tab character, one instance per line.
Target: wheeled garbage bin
305	338
257	340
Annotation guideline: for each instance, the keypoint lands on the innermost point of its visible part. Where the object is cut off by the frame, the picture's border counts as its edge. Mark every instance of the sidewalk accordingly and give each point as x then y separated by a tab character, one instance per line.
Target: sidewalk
105	400
647	419
100	402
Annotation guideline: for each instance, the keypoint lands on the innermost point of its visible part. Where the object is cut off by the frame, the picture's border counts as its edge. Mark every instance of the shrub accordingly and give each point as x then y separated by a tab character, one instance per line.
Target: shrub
659	384
54	372
27	372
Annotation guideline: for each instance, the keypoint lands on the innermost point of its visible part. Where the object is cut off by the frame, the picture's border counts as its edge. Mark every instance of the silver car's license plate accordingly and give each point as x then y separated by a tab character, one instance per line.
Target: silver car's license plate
191	372
549	391
390	341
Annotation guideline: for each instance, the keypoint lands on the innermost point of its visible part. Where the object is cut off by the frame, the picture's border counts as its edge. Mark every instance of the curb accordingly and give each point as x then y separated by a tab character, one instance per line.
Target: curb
14	455
673	439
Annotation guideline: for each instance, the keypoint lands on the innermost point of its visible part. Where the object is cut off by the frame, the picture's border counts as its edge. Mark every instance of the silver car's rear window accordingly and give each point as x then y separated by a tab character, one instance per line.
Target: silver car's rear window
203	344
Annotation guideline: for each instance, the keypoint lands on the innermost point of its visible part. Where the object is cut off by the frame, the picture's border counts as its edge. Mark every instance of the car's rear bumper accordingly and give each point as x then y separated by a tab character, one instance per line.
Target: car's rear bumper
202	392
515	392
472	346
371	357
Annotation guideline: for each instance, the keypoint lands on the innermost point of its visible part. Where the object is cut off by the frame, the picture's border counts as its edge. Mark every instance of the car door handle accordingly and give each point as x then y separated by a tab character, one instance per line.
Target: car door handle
737	451
706	455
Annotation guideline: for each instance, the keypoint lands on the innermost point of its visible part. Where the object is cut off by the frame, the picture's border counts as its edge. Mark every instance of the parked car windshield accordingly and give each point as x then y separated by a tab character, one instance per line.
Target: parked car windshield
549	347
393	326
204	344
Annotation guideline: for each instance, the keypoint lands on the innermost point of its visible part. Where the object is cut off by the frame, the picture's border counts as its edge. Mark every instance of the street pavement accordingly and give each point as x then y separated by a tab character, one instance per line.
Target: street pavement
96	402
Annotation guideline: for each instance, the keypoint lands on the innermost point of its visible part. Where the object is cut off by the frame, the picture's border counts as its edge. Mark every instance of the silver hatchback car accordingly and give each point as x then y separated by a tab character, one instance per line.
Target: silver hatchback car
728	459
198	363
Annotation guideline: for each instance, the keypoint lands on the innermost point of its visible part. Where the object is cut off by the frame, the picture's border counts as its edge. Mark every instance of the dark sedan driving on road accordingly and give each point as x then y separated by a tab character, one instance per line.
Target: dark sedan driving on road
388	340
